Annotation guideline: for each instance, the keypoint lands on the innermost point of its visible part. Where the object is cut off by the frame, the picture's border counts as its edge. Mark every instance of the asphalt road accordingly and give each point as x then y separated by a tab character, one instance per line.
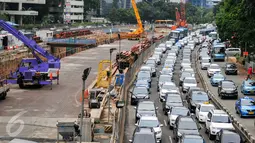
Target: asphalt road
167	136
63	101
248	123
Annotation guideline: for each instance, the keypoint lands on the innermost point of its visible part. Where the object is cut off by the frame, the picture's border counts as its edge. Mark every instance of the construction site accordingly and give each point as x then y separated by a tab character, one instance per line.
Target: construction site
72	85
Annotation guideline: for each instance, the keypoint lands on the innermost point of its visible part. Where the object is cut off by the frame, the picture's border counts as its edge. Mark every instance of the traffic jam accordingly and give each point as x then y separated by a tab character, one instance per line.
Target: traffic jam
169	102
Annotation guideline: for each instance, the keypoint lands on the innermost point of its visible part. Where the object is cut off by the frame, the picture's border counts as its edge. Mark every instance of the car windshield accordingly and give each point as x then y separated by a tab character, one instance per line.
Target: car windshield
198	97
140	138
142	82
206	108
220	119
205	61
167	86
231	66
174	99
180	111
218	77
231	138
142	75
140	90
252	83
145	106
219	50
247	103
186	74
169	61
188	125
228	85
165	79
150	62
190	80
148	123
214	67
193	140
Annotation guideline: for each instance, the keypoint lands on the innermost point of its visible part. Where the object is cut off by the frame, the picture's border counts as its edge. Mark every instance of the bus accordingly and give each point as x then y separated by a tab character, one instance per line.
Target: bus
175	35
183	32
206	31
164	23
213	35
218	52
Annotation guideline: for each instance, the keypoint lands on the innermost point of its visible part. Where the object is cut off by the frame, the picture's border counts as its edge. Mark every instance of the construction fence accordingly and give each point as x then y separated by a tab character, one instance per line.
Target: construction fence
119	123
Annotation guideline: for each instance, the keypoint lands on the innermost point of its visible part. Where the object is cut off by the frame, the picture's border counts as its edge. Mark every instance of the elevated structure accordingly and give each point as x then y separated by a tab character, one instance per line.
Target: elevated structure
20	12
74	11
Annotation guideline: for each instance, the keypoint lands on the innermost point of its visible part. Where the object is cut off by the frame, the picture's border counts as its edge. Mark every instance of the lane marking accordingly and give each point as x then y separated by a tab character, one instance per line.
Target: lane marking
165	123
170	139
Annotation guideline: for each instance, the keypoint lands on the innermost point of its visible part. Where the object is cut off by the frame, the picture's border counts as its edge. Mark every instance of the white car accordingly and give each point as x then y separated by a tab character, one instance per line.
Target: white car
217	120
191	46
188	82
205	63
169	44
174	112
167	87
157	57
151	122
212	69
202	110
163	47
146	68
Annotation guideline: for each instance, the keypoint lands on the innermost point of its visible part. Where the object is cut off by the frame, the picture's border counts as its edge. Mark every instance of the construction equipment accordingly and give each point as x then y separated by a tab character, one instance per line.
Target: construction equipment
95	97
4	88
33	71
139	32
180	17
103	75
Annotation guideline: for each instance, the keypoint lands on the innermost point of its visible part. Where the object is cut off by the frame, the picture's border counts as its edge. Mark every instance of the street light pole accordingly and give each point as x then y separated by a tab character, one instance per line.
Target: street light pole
84	77
110	86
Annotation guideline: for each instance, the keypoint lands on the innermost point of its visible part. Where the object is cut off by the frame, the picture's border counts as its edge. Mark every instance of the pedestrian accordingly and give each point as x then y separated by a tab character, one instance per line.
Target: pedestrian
249	73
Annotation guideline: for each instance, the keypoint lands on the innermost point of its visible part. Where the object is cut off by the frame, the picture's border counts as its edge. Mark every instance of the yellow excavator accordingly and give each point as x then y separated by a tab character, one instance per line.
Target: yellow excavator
139	32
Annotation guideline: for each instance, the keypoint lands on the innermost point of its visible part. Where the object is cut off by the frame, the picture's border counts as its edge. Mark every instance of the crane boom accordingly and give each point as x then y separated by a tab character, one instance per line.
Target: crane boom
138	19
31	44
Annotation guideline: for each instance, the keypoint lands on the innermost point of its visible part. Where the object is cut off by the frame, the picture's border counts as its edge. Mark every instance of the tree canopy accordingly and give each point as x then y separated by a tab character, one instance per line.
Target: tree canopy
160	10
235	21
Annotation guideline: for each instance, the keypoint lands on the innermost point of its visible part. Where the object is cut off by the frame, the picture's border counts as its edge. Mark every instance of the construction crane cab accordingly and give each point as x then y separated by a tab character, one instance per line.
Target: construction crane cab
33	71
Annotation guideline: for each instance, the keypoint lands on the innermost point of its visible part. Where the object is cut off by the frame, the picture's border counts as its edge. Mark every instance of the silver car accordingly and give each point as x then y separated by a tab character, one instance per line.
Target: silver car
212	69
163	79
167	88
188	82
205	63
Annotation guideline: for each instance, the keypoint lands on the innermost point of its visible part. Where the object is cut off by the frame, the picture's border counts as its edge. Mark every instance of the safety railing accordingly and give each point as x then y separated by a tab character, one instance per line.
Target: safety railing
118	126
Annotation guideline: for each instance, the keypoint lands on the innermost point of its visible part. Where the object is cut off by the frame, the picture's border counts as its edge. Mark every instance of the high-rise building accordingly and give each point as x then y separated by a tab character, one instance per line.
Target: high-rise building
200	3
212	3
74	11
16	9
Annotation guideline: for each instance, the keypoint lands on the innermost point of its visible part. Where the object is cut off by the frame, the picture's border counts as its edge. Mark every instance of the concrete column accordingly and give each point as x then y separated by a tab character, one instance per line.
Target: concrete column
4	6
21	20
20	6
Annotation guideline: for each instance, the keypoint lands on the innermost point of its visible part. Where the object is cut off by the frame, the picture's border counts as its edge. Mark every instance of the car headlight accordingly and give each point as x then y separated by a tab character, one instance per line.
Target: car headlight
133	96
201	115
179	134
213	128
158	132
172	120
167	107
147	96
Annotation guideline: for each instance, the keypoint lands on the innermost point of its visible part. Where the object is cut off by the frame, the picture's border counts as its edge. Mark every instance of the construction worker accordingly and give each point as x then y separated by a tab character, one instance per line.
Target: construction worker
249	73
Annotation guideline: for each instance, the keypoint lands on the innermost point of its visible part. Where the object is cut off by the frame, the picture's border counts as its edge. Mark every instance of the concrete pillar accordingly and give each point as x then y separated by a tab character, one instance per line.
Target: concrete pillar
21	20
4	6
20	6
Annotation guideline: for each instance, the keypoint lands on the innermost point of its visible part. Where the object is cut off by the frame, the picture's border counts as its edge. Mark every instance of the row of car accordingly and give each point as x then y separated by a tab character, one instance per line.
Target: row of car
244	106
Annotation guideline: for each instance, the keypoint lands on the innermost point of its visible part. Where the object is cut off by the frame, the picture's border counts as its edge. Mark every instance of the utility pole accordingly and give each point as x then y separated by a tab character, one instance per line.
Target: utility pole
84	77
110	88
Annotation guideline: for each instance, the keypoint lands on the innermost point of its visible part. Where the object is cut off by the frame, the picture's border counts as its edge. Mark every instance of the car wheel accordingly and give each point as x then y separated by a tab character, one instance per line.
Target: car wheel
211	137
171	127
240	114
206	130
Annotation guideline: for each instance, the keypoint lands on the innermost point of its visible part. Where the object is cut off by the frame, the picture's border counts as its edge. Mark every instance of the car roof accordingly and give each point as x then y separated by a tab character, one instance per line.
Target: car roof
227	131
185	118
193	136
203	104
214	65
146	102
247	98
190	78
149	118
218	111
140	87
179	107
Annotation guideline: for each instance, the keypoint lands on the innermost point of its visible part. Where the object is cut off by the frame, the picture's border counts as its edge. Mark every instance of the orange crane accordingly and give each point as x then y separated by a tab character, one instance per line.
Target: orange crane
180	17
136	34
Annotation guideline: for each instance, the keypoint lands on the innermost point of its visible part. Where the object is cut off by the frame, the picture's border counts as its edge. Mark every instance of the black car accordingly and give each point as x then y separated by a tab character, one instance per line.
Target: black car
228	136
190	89
171	100
227	88
185	125
145	108
196	98
139	93
144	135
231	68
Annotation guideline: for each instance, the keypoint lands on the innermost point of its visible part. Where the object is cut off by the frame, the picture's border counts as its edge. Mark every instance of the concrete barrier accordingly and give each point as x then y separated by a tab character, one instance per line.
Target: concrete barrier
238	126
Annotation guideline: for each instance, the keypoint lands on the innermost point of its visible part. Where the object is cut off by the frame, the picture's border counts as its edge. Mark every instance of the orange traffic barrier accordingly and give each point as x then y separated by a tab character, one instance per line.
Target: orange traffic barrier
86	95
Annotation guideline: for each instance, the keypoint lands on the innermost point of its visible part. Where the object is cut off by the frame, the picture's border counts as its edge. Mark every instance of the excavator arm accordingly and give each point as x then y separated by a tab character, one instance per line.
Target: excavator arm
31	44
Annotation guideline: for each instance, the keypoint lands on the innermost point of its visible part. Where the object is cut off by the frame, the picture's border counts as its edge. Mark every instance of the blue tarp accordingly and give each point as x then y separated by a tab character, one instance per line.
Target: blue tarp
73	41
114	30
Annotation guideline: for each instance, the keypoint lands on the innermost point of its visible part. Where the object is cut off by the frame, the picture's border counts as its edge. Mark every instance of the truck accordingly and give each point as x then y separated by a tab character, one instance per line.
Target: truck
33	71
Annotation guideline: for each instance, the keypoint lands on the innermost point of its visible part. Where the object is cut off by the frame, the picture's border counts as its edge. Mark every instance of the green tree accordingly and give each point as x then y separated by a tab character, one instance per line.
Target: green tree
4	17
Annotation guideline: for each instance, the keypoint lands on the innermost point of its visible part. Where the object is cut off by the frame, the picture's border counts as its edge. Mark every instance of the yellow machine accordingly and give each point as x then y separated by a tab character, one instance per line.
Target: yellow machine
103	76
139	32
